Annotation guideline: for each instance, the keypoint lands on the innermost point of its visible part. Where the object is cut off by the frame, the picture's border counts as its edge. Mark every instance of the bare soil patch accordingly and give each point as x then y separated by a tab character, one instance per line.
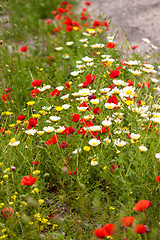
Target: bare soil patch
139	19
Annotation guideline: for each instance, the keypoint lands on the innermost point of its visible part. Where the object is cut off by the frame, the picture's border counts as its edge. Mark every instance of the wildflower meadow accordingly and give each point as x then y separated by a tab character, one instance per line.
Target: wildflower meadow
79	127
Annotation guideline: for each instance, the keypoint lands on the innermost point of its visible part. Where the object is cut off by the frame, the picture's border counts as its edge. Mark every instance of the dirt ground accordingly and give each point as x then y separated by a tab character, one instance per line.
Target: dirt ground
138	18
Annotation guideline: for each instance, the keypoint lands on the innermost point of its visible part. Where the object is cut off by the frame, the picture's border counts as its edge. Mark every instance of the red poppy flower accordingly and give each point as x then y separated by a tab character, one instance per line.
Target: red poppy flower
88	80
104	129
32	123
127	221
141	205
60	10
84	16
64	145
158	178
58	17
50	59
28	180
105	23
54	92
128	135
8	90
93	96
134	46
85	24
69	6
7	212
75	24
110	45
54	12
3	129
68	21
48	21
71	173
75	117
64	3
67	85
86	123
87	3
97	110
81	131
114	167
57	29
68	130
36	83
69	28
112	99
35	163
34	92
140	229
114	74
109	229
129	82
6	97
100	233
52	140
96	23
24	49
83	104
21	117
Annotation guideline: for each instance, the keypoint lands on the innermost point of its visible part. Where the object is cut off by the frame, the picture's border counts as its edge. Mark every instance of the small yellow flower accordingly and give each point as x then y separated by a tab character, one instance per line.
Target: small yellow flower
42	112
105	167
30	223
36	115
11	125
24	203
18	121
44	220
109	63
41	69
75	28
11	203
8	113
70	82
3	237
6	170
36	172
40	133
129	102
111	208
40	201
30	103
8	132
1	163
1	205
12	140
91	30
37	215
86	148
1	182
5	176
58	108
54	226
17	214
14	197
3	230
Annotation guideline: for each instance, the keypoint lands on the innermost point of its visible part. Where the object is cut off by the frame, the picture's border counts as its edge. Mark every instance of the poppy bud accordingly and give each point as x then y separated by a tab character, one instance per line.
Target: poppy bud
13	169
